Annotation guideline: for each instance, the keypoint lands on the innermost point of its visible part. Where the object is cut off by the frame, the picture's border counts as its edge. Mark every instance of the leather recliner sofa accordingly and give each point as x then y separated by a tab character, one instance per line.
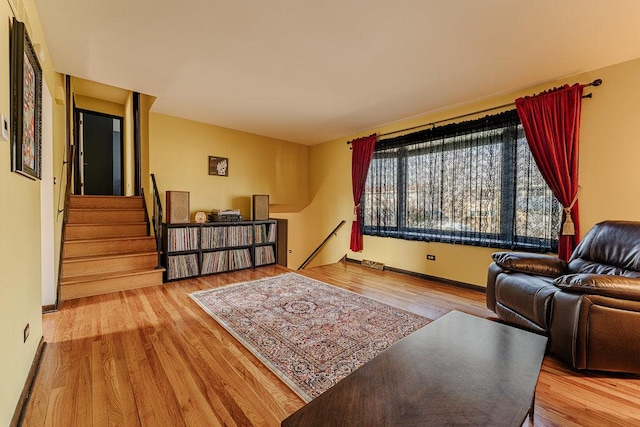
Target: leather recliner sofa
589	307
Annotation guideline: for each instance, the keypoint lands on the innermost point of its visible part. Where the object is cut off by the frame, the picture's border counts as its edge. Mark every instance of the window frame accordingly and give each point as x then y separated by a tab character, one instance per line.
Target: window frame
399	148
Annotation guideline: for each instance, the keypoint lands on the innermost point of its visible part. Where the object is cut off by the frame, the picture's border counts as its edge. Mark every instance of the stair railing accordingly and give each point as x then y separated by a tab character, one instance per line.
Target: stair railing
68	162
319	248
157	218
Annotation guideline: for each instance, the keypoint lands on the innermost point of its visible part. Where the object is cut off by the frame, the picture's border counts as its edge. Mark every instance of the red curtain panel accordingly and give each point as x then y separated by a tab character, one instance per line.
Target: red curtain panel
362	152
551	122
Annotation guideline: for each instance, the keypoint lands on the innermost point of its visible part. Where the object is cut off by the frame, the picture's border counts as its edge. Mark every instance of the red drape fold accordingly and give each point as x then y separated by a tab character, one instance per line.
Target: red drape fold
551	122
362	152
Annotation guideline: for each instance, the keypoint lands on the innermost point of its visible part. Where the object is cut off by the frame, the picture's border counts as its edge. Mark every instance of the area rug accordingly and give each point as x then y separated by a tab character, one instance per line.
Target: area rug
309	333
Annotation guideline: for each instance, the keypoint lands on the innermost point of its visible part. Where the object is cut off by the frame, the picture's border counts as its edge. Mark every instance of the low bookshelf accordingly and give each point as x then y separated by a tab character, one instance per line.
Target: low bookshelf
216	247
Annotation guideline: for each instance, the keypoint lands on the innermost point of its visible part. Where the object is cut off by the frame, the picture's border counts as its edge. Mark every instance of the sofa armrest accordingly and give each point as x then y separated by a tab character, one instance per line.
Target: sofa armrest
601	284
539	264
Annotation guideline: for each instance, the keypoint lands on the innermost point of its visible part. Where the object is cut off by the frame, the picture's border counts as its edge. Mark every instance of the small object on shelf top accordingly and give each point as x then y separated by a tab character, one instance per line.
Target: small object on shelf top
200	217
225	212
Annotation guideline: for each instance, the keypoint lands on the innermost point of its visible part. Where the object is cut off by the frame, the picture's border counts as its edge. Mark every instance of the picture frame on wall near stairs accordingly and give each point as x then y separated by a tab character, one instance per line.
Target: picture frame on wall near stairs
26	104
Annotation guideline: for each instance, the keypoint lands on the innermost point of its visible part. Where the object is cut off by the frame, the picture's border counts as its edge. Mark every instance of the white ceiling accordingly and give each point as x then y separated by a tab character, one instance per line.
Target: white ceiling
313	71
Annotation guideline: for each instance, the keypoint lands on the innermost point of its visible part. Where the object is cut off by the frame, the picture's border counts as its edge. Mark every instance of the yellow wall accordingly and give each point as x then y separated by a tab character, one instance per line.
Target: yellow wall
178	156
310	186
609	175
20	242
146	102
99	105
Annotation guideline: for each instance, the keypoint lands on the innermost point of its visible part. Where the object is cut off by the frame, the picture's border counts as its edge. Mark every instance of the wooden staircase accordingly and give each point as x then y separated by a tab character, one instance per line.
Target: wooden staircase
107	247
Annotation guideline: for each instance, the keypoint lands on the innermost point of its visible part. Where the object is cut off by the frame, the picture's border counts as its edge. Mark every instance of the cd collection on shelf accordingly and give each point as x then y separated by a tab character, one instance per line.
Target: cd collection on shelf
264	255
239	235
264	233
239	258
214	262
206	248
182	266
214	237
182	239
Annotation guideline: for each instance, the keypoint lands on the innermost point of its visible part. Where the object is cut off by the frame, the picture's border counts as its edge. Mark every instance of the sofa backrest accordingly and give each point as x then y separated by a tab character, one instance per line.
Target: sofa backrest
610	247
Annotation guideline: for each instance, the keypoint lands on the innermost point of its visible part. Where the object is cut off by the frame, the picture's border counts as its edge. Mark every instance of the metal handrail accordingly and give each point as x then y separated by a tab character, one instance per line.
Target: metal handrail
319	248
157	218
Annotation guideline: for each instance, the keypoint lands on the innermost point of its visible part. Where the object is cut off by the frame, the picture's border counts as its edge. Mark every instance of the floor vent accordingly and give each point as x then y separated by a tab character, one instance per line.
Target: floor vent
372	264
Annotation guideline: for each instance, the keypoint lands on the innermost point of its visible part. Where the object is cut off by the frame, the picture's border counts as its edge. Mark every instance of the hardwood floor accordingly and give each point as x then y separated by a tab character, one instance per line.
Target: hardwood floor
152	357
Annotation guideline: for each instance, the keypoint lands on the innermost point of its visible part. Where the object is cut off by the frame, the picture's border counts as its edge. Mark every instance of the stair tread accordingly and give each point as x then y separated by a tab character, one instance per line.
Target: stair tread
110	239
90	209
108	233
109	224
103	276
108	256
95	196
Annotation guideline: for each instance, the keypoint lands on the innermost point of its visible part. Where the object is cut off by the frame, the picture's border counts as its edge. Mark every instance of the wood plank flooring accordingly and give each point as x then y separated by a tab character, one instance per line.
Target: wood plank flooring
152	357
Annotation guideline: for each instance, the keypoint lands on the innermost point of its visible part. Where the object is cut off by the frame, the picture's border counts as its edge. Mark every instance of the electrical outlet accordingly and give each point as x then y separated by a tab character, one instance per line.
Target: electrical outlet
26	332
431	257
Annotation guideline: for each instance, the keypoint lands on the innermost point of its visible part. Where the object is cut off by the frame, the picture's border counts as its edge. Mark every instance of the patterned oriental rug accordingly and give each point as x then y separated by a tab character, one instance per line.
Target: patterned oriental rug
309	333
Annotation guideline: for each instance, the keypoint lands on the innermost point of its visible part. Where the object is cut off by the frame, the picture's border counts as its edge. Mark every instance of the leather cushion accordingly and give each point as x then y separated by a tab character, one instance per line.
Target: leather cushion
539	264
610	247
613	342
601	284
529	296
515	319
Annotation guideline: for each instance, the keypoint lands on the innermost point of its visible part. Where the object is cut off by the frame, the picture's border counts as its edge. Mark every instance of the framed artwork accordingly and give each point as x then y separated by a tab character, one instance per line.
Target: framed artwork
26	104
218	166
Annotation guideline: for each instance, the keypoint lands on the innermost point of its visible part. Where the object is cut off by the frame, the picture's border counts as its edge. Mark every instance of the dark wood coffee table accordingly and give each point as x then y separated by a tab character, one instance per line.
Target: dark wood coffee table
459	369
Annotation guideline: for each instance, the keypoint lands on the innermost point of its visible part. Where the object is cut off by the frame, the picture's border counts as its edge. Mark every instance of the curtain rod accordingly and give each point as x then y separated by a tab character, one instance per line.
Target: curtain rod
596	82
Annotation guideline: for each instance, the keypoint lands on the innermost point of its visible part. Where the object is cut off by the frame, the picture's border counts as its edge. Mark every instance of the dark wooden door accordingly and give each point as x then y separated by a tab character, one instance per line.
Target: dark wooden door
101	154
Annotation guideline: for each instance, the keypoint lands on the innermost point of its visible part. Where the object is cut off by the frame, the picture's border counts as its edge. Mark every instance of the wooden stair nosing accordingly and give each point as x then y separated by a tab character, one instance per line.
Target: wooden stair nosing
109	239
106	208
77	201
108	256
102	196
107	224
126	229
103	276
100	285
108	264
109	245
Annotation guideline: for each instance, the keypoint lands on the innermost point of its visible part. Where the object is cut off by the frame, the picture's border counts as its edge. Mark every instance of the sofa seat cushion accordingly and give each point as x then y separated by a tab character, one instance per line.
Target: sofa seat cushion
529	296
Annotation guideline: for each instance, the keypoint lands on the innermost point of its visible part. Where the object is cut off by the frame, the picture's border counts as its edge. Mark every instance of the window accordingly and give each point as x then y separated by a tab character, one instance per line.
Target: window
472	183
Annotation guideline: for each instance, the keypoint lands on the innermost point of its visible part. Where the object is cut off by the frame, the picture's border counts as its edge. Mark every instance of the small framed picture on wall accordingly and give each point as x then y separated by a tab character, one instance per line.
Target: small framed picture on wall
218	166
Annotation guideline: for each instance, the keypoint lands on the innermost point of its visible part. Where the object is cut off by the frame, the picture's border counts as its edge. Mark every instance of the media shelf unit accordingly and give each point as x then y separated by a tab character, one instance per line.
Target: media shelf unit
214	247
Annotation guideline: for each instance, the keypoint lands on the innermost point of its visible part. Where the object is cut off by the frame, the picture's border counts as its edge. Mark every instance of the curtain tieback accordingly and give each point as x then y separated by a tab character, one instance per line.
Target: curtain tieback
355	212
568	228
